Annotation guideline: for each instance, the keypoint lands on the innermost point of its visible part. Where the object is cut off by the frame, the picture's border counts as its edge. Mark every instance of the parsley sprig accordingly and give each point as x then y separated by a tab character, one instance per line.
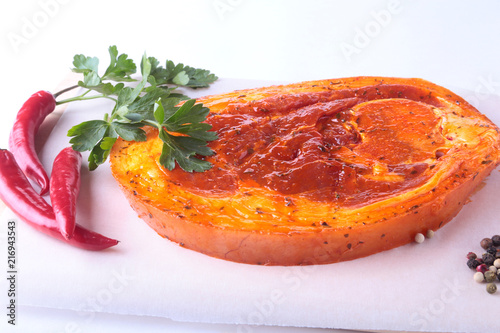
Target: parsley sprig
152	101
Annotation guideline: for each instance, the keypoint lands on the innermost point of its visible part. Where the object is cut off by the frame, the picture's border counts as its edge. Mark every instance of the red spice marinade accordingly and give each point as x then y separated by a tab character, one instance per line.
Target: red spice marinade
328	146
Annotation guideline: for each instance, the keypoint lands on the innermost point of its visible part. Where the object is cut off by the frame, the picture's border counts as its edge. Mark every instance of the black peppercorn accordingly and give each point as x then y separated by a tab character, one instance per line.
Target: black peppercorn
486	243
496	240
492	250
488	258
472	263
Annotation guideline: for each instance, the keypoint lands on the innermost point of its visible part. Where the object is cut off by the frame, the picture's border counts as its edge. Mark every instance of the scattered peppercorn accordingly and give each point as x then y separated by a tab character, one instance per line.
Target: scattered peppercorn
419	238
486	243
487	266
491	288
472	263
478	277
471	255
482	268
488	259
492	250
489	276
429	234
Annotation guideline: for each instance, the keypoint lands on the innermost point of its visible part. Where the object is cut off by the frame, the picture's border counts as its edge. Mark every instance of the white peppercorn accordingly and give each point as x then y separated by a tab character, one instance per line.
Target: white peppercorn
419	238
479	277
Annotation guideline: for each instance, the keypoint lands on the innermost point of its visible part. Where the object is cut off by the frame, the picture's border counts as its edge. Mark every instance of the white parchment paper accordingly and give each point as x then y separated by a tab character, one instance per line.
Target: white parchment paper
425	287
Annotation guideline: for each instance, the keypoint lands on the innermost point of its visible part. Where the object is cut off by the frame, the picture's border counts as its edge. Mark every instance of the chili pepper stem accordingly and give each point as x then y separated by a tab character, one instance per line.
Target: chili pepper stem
57	94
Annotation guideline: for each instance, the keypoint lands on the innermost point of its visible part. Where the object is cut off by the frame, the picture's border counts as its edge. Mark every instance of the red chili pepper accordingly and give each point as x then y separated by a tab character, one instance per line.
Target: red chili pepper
64	189
22	136
18	194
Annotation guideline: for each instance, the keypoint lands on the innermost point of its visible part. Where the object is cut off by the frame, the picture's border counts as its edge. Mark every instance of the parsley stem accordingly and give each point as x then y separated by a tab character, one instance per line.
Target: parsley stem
153	123
83	98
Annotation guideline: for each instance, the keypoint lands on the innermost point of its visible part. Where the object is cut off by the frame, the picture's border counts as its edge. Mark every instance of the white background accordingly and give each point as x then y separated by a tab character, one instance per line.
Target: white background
447	42
452	43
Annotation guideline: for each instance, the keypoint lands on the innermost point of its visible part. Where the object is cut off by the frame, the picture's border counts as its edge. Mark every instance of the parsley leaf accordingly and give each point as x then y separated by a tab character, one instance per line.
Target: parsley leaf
148	100
199	78
85	64
187	120
99	154
91	79
129	132
120	67
87	134
152	101
159	112
181	79
180	75
182	150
